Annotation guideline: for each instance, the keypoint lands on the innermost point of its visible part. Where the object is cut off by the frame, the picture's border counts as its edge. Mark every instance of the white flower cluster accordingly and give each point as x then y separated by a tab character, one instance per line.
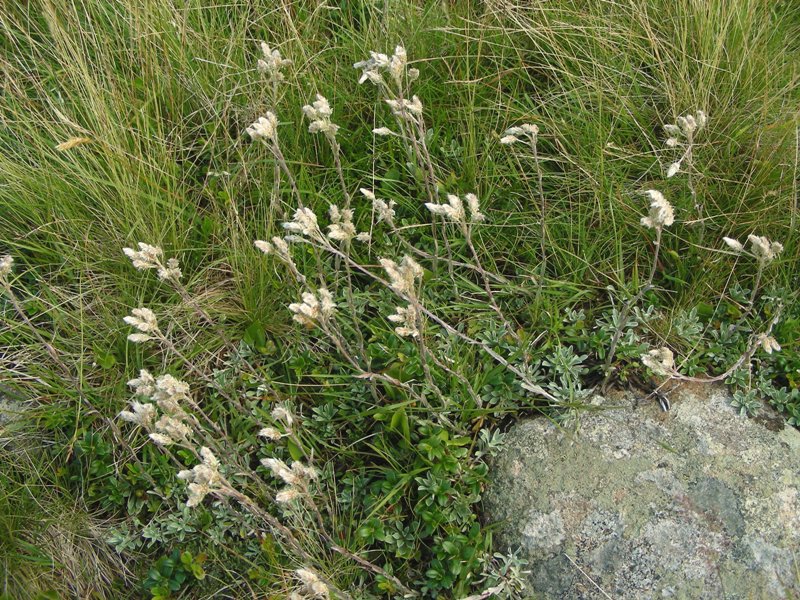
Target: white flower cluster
342	228
409	110
313	310
145	321
661	212
265	128
761	248
408	321
150	257
768	343
305	223
319	113
403	276
203	478
168	393
297	478
384	210
682	133
280	414
454	209
660	361
525	131
372	69
272	63
313	586
6	263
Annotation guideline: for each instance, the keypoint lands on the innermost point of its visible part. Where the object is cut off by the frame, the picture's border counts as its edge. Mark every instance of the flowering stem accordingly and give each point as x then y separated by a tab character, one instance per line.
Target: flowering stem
527	383
623	315
467	231
172	348
67	374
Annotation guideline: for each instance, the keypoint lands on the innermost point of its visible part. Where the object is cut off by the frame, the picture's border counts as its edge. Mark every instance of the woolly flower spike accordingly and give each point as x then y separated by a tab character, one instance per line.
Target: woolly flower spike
272	63
283	414
204	478
406	109
402	277
313	310
341	227
303	222
408	319
314	586
764	250
319	113
141	414
733	244
270	433
769	343
144	385
6	264
660	361
372	67
661	212
145	321
397	64
298	476
149	257
673	169
453	210
516	134
385	211
383	131
265	129
169	393
170	430
474	208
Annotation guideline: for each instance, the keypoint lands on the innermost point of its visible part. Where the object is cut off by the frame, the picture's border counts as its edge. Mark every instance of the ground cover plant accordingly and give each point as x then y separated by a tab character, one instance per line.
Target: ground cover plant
277	276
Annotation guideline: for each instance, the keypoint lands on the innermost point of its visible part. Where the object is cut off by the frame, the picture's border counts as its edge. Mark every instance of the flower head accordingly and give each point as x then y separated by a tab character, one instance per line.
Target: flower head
145	321
661	361
265	128
519	133
407	318
203	478
474	208
764	250
147	257
371	68
304	222
341	227
733	244
313	310
453	210
319	113
661	212
384	210
271	433
403	276
169	393
768	343
6	264
142	414
144	385
313	586
150	257
272	63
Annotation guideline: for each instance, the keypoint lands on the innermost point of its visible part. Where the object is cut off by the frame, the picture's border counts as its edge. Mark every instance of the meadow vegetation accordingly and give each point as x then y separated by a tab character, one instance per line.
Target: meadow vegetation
263	324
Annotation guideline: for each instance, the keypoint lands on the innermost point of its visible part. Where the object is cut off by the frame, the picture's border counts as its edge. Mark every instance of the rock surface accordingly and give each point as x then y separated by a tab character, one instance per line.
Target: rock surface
698	502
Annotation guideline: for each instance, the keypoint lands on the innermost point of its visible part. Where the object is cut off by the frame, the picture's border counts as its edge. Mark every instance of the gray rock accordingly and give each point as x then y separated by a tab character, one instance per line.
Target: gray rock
698	502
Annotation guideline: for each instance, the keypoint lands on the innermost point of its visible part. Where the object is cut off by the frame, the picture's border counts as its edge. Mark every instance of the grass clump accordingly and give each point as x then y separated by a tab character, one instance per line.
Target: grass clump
319	421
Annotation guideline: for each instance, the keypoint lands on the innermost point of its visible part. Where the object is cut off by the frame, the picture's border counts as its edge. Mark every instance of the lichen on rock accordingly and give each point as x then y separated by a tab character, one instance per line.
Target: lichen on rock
695	503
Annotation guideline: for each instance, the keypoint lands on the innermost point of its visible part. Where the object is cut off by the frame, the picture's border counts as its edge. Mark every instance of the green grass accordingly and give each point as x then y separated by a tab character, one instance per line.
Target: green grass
164	91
